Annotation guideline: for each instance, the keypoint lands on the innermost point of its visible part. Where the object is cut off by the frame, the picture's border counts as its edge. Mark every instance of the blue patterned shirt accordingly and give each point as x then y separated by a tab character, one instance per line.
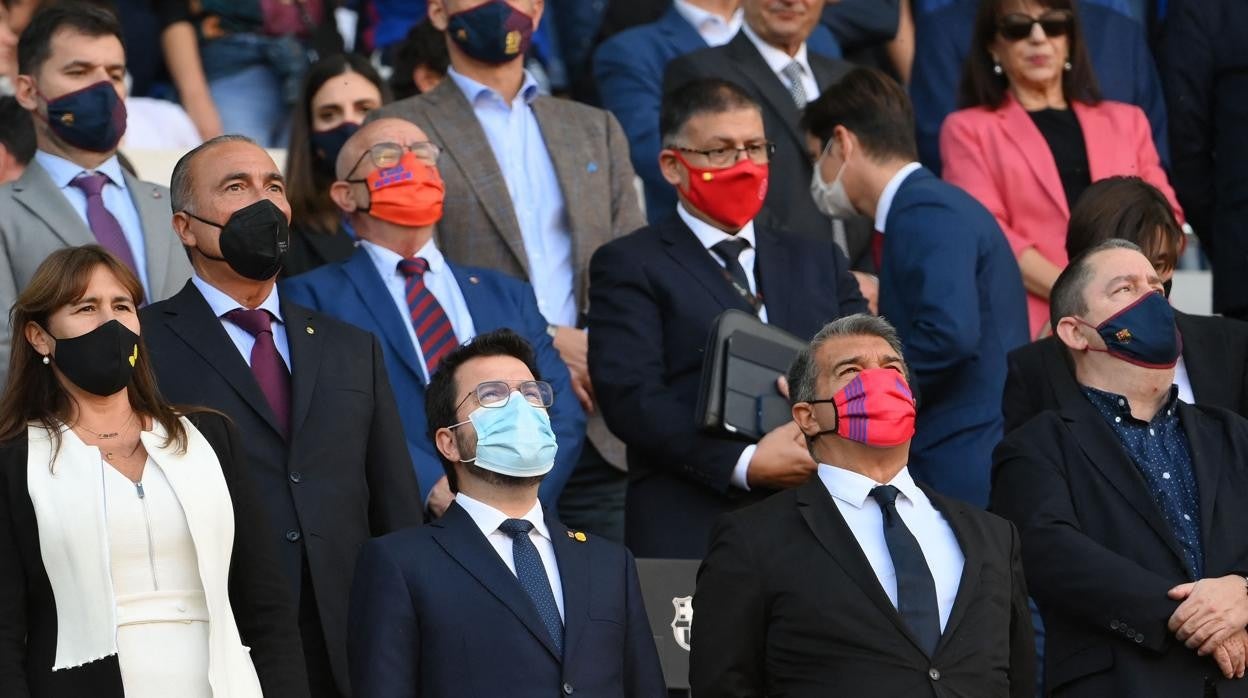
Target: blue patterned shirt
1160	450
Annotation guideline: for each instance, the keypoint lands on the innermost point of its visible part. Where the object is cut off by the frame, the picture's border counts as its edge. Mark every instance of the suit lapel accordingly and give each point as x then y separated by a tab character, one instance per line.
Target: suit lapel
750	63
483	306
771	271
972	547
574	574
1022	131
372	290
459	536
158	236
36	191
683	247
305	354
1206	445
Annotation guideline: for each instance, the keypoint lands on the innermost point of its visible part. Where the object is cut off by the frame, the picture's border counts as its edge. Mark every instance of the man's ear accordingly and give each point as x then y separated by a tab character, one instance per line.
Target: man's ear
804	416
182	227
340	193
438	14
671	169
26	93
444	439
1070	332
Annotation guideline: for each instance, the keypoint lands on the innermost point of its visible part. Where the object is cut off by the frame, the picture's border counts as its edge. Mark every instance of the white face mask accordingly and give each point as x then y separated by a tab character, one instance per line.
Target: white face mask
830	199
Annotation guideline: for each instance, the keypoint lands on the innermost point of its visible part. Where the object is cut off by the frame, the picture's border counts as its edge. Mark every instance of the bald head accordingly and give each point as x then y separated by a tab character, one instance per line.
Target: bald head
398	131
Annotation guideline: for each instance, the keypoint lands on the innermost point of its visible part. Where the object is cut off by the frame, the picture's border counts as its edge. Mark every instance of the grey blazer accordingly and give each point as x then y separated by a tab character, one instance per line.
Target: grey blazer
36	220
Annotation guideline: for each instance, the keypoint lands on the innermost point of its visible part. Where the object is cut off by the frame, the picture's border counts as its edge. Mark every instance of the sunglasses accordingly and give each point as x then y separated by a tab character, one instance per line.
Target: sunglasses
1018	26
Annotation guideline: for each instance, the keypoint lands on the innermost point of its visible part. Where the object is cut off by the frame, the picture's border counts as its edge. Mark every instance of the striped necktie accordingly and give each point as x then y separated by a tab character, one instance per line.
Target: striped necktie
433	327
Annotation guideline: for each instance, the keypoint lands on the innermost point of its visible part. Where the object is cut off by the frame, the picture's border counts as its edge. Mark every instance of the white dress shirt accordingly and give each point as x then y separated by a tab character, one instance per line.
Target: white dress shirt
516	139
714	29
440	281
852	494
885	203
488	519
1183	382
778	60
222	304
116	196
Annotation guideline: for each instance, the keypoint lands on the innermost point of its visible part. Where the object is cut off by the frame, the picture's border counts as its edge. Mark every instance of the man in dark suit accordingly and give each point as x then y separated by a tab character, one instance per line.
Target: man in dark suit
948	280
1130	504
497	598
860	582
308	393
654	296
381	290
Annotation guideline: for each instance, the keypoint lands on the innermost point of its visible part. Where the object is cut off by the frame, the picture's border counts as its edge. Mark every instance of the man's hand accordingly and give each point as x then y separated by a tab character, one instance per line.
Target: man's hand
781	459
1232	655
573	347
440	497
1211	611
869	286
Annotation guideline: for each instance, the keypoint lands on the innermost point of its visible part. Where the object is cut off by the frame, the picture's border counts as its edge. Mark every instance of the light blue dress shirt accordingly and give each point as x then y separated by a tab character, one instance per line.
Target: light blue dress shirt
520	150
116	199
222	304
440	281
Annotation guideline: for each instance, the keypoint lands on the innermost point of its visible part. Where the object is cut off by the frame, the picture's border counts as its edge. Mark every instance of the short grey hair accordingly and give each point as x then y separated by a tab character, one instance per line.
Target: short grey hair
1066	298
804	373
181	188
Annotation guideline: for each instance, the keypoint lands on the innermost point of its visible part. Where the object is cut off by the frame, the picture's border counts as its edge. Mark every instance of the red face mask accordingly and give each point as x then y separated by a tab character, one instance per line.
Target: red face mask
732	195
876	408
409	194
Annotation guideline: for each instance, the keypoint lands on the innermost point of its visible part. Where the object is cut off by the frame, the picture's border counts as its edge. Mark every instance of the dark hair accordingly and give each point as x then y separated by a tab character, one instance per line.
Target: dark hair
307	186
983	88
1066	298
444	393
35	45
424	45
33	393
871	105
181	186
1128	208
701	96
17	130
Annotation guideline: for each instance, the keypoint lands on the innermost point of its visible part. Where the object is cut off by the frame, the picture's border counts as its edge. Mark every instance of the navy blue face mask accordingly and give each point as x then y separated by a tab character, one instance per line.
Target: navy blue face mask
1142	333
327	144
493	33
93	118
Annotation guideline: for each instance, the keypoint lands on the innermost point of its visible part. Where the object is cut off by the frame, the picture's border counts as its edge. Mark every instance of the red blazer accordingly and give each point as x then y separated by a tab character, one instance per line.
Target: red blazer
1001	158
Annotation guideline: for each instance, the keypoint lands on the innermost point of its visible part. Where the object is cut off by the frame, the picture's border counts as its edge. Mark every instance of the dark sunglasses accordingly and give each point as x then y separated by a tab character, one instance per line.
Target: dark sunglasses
1018	26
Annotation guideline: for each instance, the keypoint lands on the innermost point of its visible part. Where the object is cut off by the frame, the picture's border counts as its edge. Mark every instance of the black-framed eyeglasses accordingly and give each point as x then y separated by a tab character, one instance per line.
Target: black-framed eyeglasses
725	157
493	394
1017	26
386	155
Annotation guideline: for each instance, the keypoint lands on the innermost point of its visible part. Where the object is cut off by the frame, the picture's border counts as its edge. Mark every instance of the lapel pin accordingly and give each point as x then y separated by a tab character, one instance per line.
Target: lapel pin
155	193
309	330
474	279
577	536
591	167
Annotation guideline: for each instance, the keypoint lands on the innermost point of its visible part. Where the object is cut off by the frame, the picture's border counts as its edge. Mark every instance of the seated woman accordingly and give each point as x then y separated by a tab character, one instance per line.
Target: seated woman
338	92
1034	133
1213	368
126	564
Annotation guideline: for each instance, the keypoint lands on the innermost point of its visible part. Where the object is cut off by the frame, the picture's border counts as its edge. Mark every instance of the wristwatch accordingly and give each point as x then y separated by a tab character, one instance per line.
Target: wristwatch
553	329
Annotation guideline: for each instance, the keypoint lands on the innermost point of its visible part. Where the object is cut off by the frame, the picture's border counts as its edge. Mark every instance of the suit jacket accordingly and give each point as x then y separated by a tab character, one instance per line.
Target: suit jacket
1204	65
788	205
479	225
1100	557
36	220
952	289
1041	375
655	294
1120	58
1000	157
353	292
787	604
345	474
436	612
263	610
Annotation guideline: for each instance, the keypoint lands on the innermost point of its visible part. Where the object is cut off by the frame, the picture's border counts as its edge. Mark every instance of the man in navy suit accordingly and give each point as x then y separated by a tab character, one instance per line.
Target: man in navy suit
948	281
497	598
1120	56
373	289
654	295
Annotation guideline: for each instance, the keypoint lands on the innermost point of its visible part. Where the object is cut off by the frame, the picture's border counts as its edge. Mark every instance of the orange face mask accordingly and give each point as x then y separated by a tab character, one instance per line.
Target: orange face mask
409	194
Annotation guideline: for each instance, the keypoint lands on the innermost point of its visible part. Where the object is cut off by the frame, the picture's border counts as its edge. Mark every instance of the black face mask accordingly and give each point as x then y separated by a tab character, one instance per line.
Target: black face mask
253	241
100	361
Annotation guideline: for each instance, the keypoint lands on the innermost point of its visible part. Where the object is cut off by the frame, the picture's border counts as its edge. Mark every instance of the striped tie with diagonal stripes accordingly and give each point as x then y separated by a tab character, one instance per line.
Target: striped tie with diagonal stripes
433	327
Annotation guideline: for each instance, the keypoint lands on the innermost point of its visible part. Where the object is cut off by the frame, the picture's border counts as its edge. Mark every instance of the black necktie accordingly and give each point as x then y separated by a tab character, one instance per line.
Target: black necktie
730	251
916	590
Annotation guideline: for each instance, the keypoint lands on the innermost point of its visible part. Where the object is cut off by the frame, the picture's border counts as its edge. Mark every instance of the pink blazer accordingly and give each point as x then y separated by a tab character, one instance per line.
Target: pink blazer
1001	158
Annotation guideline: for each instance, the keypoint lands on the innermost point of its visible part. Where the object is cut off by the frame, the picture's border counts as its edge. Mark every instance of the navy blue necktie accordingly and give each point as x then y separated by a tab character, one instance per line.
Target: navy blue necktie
916	590
532	575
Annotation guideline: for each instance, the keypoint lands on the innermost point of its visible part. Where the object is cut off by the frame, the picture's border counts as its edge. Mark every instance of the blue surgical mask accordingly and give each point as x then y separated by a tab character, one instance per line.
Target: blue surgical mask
1142	333
515	439
93	118
327	144
493	33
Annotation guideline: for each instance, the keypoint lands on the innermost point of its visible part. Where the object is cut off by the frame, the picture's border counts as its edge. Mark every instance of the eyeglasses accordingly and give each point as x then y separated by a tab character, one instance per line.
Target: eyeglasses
724	157
386	155
493	394
1017	26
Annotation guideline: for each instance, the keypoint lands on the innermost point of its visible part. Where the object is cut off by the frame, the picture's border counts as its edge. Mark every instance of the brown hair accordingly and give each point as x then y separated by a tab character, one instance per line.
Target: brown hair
873	107
1127	208
33	393
981	87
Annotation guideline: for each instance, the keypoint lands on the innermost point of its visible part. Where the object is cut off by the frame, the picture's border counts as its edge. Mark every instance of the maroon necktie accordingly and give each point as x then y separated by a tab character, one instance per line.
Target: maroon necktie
877	250
433	327
266	363
103	225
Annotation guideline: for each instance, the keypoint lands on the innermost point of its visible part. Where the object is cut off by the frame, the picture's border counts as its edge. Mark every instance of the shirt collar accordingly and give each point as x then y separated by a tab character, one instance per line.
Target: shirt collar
708	234
63	171
488	519
475	91
1114	403
705	21
890	191
775	58
854	488
387	260
222	304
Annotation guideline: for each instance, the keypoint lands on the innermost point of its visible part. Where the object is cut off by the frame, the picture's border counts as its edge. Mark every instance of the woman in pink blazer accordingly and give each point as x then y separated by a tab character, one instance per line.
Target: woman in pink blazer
1035	133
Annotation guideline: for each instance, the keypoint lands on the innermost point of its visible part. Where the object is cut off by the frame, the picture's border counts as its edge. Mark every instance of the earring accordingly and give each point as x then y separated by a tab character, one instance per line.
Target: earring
996	67
46	360
1068	66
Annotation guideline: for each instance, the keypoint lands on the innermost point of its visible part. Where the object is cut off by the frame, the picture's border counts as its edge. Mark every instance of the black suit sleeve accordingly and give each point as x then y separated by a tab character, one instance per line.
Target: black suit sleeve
383	632
643	675
12	591
1022	633
1018	403
394	497
730	619
848	295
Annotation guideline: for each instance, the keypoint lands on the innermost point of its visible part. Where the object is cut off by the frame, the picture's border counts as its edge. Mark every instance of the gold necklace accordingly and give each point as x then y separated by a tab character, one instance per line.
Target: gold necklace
108	455
108	434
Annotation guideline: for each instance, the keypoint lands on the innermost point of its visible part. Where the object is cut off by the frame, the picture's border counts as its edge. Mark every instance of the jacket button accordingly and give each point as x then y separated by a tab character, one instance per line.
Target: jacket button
1114	624
567	689
296	477
293	536
1139	638
934	673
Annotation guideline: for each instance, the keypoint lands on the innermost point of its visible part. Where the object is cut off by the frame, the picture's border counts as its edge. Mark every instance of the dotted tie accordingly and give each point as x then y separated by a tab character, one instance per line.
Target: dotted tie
730	251
532	575
793	72
267	365
103	224
916	590
433	327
